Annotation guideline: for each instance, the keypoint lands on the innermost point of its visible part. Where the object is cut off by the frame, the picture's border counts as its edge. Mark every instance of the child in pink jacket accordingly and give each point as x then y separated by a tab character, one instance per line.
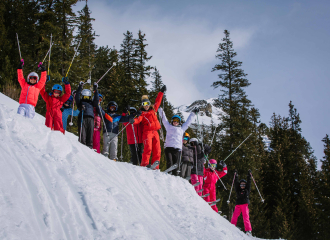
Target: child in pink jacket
30	89
97	127
211	176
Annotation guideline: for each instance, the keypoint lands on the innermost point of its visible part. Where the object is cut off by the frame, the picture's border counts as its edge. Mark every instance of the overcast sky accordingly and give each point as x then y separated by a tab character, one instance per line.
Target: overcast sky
284	47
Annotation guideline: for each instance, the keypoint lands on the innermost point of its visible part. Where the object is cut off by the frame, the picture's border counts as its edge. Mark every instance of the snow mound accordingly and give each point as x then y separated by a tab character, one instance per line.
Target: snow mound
52	187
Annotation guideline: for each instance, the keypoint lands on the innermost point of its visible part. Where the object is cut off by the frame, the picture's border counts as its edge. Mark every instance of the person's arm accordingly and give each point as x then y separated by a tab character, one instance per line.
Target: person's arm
44	94
223	172
237	187
20	77
138	119
76	113
188	122
77	96
42	80
158	101
96	99
67	93
164	119
108	117
248	182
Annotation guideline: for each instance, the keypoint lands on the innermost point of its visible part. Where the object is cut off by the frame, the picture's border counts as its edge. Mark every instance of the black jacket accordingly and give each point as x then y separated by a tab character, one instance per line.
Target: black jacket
199	158
89	105
242	195
187	153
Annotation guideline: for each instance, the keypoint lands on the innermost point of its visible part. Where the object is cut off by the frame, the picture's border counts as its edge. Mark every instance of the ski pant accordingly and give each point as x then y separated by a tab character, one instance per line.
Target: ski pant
26	110
244	209
96	140
151	142
136	157
54	122
186	169
212	197
172	157
197	178
111	148
86	131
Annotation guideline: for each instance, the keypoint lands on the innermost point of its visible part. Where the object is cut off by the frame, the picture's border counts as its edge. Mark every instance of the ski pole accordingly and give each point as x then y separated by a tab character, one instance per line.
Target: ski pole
118	133
231	188
121	145
178	171
50	47
47	53
71	123
262	200
136	146
237	147
105	127
74	55
19	49
81	125
114	64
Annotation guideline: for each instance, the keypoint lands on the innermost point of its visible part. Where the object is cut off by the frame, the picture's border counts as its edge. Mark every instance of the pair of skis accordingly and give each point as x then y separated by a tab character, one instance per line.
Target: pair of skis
206	195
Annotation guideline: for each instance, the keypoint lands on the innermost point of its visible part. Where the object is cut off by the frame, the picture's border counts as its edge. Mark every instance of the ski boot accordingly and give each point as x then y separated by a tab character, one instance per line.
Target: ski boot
249	233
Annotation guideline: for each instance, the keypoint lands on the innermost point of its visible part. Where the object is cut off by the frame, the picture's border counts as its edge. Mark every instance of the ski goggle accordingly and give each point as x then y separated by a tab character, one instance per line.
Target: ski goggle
176	120
86	97
57	91
186	138
33	78
242	184
147	103
213	165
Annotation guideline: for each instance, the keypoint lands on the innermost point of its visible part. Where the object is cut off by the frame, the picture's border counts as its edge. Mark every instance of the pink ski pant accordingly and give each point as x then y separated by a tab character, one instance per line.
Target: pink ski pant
244	208
96	140
197	178
212	197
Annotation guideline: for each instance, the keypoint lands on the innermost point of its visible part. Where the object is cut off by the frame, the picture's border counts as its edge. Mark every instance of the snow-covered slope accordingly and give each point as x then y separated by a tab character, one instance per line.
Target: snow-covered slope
52	187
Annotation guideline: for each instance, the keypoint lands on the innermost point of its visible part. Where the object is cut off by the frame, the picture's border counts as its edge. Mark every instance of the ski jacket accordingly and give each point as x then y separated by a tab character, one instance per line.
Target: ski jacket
113	126
187	153
97	120
174	134
211	177
242	195
54	104
66	113
30	93
89	105
149	118
199	158
138	129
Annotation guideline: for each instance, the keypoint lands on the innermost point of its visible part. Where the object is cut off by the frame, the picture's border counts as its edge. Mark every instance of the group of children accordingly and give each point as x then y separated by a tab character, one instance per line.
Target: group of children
141	128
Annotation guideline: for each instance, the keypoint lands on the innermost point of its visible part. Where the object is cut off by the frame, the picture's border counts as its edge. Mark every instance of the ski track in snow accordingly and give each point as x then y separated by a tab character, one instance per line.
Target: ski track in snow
52	187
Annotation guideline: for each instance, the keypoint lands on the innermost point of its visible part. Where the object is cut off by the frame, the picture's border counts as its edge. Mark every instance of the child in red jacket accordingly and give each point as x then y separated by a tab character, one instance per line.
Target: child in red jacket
30	90
54	102
211	176
151	125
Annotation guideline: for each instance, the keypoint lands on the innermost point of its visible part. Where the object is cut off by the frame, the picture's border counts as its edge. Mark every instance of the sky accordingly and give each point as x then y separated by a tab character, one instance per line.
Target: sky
284	47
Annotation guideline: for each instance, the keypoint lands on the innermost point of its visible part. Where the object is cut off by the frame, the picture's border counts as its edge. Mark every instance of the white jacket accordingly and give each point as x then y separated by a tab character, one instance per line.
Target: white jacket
174	134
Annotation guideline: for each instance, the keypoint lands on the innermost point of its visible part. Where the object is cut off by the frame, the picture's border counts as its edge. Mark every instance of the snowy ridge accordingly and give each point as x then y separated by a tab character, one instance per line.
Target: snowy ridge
52	187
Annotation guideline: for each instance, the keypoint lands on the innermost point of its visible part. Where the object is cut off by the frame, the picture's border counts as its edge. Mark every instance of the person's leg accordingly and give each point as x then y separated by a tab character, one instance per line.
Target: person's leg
96	140
49	120
175	158
21	110
89	132
194	180
246	217
30	111
183	169
140	151
189	166
213	197
168	157
156	151
236	214
133	154
113	146
58	125
106	139
84	131
147	143
200	186
207	191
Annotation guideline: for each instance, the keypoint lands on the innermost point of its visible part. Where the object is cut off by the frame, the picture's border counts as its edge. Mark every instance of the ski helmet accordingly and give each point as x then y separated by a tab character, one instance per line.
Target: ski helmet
86	92
100	97
242	180
186	136
57	87
132	110
112	103
193	140
176	117
32	74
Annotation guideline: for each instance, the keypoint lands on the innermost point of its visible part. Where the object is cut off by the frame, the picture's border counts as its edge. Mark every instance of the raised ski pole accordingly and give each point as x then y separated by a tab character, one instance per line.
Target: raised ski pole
81	125
136	147
231	188
50	47
114	64
71	123
121	145
19	49
105	127
118	133
178	171
47	53
74	55
237	147
262	200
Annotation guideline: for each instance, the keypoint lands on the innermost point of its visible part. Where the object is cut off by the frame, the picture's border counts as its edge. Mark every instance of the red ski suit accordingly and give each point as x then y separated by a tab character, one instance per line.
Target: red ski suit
150	136
53	106
138	129
30	93
210	180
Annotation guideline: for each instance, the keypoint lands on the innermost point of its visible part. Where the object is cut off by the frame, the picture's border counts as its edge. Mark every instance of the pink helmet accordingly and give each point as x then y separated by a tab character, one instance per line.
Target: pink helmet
213	161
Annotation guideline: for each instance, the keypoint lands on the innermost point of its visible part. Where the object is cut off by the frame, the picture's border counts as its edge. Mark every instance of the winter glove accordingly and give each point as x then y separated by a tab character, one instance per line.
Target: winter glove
95	86
249	171
131	120
195	110
65	80
138	113
207	149
41	67
83	107
62	109
163	89
73	92
21	63
222	163
235	171
81	83
47	79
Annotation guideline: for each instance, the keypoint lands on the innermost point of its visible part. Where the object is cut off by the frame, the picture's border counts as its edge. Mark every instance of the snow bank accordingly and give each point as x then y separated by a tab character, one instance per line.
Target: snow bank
52	187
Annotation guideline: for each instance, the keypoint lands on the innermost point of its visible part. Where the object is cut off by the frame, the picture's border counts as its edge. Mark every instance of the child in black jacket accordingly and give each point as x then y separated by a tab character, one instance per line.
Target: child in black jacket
243	189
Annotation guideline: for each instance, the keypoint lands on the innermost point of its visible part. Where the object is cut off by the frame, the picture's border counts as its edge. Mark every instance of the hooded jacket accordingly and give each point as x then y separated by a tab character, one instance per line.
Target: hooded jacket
199	157
187	153
89	105
242	195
